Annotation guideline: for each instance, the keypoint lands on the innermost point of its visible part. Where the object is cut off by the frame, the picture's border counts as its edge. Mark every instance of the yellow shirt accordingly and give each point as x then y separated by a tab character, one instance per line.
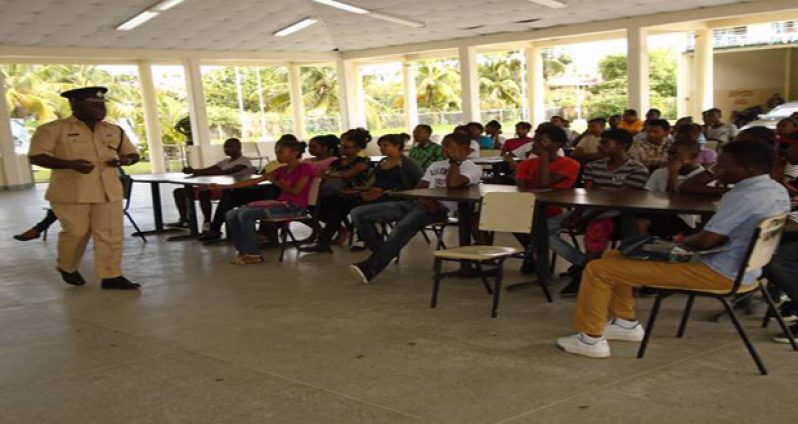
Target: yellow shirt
634	128
71	139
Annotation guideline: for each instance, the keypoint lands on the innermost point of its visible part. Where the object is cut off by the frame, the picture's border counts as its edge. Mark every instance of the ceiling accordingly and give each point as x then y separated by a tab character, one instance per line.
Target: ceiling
247	25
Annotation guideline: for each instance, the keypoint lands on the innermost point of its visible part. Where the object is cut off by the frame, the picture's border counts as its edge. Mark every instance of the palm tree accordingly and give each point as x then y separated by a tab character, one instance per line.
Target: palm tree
499	82
438	85
320	89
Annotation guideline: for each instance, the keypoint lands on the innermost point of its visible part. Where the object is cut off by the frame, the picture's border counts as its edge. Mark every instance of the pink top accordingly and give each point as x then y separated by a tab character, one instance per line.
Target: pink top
706	157
514	143
290	178
320	166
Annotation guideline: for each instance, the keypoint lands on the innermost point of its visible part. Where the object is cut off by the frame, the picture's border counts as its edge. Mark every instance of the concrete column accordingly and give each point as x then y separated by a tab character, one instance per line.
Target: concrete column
535	84
200	129
704	86
469	81
297	105
350	95
15	174
151	118
637	68
411	98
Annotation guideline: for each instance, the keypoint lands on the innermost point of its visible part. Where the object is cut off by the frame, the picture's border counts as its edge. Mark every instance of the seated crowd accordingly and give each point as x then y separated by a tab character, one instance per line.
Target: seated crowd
345	192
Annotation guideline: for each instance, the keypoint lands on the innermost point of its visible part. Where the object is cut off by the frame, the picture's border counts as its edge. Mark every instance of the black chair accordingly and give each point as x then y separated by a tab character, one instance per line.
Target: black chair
763	244
127	190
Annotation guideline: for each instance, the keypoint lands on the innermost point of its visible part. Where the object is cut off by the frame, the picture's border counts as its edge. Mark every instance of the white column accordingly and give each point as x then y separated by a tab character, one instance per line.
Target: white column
637	68
411	98
14	174
535	84
350	93
704	69
200	129
151	118
297	105
469	81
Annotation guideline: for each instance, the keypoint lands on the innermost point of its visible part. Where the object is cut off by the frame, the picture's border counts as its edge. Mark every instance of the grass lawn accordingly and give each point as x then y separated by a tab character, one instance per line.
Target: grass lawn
42	175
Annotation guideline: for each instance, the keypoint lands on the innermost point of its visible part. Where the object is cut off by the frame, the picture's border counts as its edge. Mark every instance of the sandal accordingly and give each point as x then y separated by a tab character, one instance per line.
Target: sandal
247	260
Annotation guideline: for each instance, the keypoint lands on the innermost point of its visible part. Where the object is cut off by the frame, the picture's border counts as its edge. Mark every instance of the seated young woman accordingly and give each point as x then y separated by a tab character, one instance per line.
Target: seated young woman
394	172
294	181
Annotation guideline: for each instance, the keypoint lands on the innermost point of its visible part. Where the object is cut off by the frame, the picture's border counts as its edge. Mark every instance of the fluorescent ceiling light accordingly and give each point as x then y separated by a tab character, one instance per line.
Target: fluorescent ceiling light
343	6
396	20
299	26
167	4
137	20
554	4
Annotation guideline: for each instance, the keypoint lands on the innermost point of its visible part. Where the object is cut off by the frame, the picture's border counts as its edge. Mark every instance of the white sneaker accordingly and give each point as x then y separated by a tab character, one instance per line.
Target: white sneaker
359	274
614	331
576	344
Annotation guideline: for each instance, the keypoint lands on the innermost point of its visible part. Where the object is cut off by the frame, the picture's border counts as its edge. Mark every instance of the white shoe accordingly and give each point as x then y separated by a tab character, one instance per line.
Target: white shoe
359	274
613	331
576	344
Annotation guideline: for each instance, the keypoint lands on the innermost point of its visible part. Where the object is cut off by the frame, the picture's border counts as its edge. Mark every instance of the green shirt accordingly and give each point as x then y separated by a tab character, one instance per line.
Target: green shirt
425	155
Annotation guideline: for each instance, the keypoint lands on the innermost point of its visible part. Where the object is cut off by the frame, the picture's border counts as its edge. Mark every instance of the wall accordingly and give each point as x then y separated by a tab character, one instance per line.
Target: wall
748	78
794	73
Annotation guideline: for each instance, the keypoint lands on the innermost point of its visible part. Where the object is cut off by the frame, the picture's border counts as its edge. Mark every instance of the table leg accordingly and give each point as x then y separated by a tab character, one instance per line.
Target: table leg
191	211
157	212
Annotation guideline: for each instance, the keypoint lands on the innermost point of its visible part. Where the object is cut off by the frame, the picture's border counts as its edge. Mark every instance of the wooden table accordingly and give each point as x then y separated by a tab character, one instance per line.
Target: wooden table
188	182
629	202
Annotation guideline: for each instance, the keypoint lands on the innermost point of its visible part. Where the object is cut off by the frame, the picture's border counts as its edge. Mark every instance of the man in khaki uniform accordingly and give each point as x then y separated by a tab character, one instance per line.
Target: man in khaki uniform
85	191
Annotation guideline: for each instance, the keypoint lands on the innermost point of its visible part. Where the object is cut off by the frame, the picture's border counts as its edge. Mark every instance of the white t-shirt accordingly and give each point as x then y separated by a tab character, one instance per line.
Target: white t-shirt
228	163
589	143
474	150
523	152
436	176
658	181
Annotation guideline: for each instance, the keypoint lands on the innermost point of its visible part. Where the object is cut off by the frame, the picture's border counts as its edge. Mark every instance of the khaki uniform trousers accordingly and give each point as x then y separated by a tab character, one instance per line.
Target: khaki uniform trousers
103	222
607	286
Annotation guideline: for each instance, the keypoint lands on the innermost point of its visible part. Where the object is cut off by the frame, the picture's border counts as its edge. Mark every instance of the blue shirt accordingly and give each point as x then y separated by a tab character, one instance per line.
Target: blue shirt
485	142
741	210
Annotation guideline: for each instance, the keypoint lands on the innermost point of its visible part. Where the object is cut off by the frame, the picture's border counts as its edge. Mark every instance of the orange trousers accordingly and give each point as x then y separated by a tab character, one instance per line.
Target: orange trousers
607	286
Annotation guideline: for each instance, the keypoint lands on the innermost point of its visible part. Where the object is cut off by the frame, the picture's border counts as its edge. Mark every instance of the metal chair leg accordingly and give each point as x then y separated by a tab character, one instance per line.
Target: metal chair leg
483	278
652	318
497	289
136	227
741	332
283	242
553	262
436	284
772	307
685	316
426	237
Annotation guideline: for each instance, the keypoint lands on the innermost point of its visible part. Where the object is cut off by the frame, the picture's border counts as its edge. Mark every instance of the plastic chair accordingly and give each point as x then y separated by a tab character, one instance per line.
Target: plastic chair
763	244
284	224
500	212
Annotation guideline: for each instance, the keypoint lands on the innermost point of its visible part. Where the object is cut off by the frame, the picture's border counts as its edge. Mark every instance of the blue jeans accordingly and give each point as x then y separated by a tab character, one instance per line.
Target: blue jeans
410	218
242	229
561	247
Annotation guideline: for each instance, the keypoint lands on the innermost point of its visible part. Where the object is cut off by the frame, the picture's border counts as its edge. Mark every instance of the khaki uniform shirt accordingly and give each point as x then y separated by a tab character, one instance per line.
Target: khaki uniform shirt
71	139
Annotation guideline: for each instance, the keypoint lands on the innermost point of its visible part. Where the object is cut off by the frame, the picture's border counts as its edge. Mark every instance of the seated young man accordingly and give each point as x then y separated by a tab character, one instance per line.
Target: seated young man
617	171
715	129
411	217
651	148
630	122
547	169
587	143
608	282
680	166
522	130
493	129
234	164
476	131
424	151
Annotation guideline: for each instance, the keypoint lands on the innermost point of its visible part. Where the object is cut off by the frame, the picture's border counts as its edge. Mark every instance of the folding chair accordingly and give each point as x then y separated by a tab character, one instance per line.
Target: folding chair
284	224
505	212
763	244
127	190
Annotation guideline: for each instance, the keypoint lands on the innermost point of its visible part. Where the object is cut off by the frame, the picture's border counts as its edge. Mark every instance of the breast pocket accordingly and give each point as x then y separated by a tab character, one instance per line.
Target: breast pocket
79	148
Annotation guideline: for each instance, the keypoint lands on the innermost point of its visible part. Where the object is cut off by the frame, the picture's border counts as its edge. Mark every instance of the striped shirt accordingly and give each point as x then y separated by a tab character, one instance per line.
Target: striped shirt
632	174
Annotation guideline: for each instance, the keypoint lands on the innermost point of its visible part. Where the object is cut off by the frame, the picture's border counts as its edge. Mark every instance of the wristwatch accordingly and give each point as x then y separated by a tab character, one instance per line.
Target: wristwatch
455	162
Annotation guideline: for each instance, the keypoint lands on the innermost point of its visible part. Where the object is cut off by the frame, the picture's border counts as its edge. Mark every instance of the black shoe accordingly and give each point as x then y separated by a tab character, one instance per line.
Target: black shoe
178	224
782	338
357	248
788	312
119	283
361	273
316	248
572	289
28	235
210	236
73	278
